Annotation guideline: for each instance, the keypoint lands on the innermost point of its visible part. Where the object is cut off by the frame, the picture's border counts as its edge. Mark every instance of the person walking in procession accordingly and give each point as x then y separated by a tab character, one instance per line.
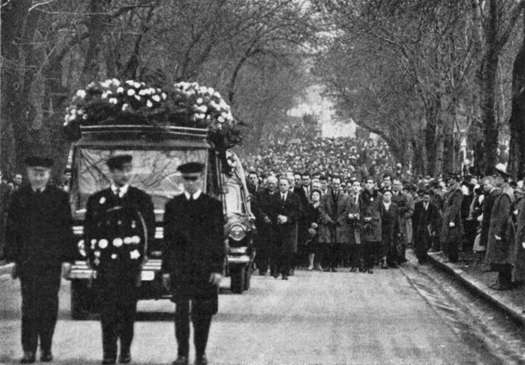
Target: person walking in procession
284	209
193	259
333	232
39	239
501	232
425	222
452	225
118	226
371	234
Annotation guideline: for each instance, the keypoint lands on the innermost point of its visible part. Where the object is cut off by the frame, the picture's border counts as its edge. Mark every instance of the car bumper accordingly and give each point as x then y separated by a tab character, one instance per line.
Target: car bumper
81	271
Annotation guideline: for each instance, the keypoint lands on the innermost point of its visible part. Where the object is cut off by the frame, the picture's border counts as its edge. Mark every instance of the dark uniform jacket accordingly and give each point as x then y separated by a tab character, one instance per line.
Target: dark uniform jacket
117	229
285	234
39	232
194	245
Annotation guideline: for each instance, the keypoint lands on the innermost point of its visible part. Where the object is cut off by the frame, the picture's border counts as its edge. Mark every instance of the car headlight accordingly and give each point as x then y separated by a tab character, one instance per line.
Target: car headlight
237	233
82	248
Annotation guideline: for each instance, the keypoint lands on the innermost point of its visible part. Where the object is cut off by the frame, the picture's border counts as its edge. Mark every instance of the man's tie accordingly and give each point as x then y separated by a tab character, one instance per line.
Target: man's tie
117	192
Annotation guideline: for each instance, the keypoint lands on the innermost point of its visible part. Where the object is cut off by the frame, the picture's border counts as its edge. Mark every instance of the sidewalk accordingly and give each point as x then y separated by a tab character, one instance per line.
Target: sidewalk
511	302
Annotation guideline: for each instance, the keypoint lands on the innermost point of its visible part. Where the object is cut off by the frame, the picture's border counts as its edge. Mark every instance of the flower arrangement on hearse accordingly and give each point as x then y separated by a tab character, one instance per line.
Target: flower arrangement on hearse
184	104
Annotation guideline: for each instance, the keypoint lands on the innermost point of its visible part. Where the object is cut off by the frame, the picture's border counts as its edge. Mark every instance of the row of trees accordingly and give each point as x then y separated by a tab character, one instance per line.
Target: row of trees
423	73
250	50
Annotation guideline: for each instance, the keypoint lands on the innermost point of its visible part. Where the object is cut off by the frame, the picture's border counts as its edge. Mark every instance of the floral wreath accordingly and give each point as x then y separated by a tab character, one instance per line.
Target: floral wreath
128	102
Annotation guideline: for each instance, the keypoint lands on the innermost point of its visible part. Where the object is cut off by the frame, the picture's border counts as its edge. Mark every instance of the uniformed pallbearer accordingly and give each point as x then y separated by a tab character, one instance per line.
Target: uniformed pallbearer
39	240
118	226
193	260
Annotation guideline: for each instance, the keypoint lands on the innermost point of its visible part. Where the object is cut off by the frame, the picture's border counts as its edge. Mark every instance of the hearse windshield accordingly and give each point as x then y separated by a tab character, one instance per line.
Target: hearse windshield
155	171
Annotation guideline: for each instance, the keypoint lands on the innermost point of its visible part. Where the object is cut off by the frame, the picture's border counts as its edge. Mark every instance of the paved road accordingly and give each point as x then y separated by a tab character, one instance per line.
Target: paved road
314	318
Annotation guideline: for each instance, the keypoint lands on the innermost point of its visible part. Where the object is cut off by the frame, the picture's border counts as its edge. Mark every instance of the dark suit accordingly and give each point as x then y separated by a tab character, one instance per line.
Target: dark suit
194	249
39	239
452	224
285	233
265	231
425	223
390	234
116	232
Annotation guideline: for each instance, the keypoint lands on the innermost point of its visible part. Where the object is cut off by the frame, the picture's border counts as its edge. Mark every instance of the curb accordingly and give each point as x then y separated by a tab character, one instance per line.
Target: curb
6	269
479	288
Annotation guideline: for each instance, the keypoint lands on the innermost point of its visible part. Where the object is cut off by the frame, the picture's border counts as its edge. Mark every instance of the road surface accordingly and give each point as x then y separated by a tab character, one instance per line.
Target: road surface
409	316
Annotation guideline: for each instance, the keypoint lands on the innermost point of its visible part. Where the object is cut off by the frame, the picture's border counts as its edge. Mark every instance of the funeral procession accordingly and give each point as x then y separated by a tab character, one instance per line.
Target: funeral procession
262	182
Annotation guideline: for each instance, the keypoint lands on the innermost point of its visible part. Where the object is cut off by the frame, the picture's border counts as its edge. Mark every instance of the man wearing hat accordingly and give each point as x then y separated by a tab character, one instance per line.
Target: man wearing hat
39	239
193	260
501	232
119	224
452	225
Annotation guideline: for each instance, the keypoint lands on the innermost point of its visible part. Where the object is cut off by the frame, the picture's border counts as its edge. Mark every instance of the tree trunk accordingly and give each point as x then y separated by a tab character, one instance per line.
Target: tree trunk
517	118
96	25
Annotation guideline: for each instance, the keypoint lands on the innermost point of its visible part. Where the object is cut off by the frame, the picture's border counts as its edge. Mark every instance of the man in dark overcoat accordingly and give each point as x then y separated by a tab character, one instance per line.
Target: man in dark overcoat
333	231
284	209
452	224
501	232
371	233
193	260
390	253
303	193
425	221
491	192
354	231
265	229
119	224
406	209
39	239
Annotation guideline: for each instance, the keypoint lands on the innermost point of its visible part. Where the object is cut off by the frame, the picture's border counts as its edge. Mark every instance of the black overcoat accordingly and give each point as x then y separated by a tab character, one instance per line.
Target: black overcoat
425	223
39	229
285	234
194	245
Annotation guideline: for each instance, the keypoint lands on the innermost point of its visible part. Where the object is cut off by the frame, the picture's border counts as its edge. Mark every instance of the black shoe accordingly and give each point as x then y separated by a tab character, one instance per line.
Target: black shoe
181	360
370	271
28	358
46	356
201	360
125	358
285	277
109	360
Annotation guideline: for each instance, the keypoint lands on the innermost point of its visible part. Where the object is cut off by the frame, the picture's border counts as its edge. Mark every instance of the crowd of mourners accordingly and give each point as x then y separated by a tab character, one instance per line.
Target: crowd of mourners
352	219
357	157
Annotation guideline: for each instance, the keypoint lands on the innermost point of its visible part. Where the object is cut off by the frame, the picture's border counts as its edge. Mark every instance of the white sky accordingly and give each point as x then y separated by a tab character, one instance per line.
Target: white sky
314	102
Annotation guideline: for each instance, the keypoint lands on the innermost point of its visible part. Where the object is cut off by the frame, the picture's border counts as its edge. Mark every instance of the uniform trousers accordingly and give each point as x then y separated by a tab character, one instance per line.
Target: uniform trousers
40	287
118	309
201	311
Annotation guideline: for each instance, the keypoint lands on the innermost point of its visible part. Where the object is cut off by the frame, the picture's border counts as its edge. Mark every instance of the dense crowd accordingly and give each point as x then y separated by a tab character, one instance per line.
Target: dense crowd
361	223
350	157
